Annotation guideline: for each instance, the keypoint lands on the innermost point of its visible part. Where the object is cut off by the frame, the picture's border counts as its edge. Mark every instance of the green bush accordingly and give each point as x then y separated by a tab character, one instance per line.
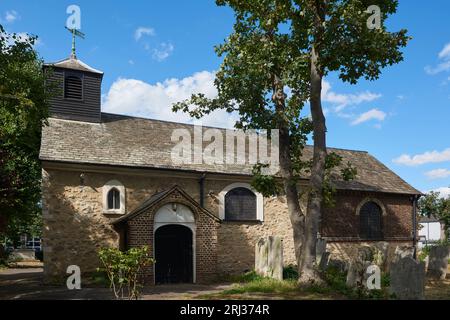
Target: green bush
245	277
290	272
264	285
100	277
123	268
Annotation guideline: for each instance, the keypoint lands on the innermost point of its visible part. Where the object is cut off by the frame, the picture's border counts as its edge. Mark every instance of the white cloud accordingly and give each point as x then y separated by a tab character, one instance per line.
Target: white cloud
445	53
131	62
138	98
162	52
373	114
10	16
444	56
141	31
427	157
444	192
438	174
343	100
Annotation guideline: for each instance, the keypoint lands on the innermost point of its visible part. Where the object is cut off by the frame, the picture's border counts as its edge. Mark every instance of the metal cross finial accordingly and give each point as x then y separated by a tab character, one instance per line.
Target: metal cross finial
75	33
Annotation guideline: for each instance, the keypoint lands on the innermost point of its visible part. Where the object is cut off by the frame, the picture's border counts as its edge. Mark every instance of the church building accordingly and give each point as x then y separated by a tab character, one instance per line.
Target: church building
108	180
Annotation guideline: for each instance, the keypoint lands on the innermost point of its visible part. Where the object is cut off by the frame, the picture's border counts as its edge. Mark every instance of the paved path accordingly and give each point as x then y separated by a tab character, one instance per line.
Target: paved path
27	284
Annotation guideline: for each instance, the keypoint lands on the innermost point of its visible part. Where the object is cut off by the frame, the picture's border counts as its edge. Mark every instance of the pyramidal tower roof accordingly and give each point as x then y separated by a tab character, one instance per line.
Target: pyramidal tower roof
74	64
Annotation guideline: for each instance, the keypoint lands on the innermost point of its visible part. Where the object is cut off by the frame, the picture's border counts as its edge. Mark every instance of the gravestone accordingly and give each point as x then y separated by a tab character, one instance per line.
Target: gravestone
408	279
269	257
438	262
321	248
324	261
356	275
403	252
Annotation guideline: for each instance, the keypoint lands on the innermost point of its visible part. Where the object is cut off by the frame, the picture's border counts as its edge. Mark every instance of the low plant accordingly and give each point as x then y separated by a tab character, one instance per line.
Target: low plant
290	272
264	285
123	270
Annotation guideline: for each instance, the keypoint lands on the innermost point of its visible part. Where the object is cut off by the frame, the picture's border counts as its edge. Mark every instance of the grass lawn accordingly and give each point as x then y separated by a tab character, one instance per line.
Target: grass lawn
261	289
253	287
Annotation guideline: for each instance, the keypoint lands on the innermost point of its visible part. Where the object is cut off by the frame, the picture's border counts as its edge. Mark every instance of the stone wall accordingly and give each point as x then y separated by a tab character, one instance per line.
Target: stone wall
75	226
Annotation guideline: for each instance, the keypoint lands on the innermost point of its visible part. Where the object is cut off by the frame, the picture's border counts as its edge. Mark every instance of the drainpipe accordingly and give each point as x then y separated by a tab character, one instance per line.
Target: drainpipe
414	200
202	190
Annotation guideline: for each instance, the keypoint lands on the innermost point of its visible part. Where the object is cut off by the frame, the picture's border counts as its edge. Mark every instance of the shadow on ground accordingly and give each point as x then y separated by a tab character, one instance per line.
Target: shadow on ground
27	284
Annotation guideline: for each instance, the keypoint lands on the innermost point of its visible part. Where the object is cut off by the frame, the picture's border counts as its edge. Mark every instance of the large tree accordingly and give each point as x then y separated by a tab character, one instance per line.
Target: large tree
274	62
23	110
433	204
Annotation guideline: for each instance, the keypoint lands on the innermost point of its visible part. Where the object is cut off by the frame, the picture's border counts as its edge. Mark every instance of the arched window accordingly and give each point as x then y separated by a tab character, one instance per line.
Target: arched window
371	217
113	199
73	87
240	204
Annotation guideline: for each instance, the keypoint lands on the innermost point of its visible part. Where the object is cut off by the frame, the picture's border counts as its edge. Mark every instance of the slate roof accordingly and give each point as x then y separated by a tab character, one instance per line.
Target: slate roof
146	143
429	219
74	64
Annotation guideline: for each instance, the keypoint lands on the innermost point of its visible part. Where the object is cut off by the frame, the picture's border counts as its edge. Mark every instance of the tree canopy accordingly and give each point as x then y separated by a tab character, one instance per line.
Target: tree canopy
433	204
274	62
23	112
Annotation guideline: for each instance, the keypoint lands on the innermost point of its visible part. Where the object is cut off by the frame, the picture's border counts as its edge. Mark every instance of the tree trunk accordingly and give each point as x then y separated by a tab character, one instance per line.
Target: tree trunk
289	182
308	266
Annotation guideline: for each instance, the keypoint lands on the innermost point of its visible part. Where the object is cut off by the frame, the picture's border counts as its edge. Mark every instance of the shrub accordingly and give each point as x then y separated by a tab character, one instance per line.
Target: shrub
264	285
290	272
122	269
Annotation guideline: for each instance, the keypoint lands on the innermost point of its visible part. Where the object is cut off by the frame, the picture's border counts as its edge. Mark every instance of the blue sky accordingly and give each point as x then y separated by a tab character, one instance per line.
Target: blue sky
157	52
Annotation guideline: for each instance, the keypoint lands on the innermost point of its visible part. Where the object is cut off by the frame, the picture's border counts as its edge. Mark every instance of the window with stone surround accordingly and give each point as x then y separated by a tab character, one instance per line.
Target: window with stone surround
371	220
113	197
239	202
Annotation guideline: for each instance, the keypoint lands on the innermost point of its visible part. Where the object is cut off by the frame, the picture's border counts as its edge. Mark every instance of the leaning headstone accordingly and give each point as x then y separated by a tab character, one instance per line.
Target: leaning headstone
438	262
324	261
408	279
321	248
269	257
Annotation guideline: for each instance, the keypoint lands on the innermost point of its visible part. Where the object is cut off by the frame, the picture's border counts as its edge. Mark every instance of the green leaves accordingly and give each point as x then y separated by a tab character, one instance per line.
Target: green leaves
123	269
432	204
23	111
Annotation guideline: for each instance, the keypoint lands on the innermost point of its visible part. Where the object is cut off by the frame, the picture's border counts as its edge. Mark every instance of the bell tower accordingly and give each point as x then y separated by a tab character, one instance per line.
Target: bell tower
78	88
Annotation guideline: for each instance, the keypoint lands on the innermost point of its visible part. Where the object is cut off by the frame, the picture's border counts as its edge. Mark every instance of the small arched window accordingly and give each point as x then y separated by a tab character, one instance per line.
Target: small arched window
371	217
113	199
73	87
240	204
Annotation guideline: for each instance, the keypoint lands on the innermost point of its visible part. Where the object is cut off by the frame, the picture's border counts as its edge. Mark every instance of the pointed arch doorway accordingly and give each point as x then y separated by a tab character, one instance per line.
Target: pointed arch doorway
174	244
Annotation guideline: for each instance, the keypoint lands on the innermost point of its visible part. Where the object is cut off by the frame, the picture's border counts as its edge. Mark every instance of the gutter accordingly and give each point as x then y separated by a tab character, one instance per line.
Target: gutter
415	199
201	183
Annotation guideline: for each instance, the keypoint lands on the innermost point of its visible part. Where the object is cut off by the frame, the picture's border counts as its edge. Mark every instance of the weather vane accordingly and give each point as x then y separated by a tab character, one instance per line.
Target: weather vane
73	24
75	33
